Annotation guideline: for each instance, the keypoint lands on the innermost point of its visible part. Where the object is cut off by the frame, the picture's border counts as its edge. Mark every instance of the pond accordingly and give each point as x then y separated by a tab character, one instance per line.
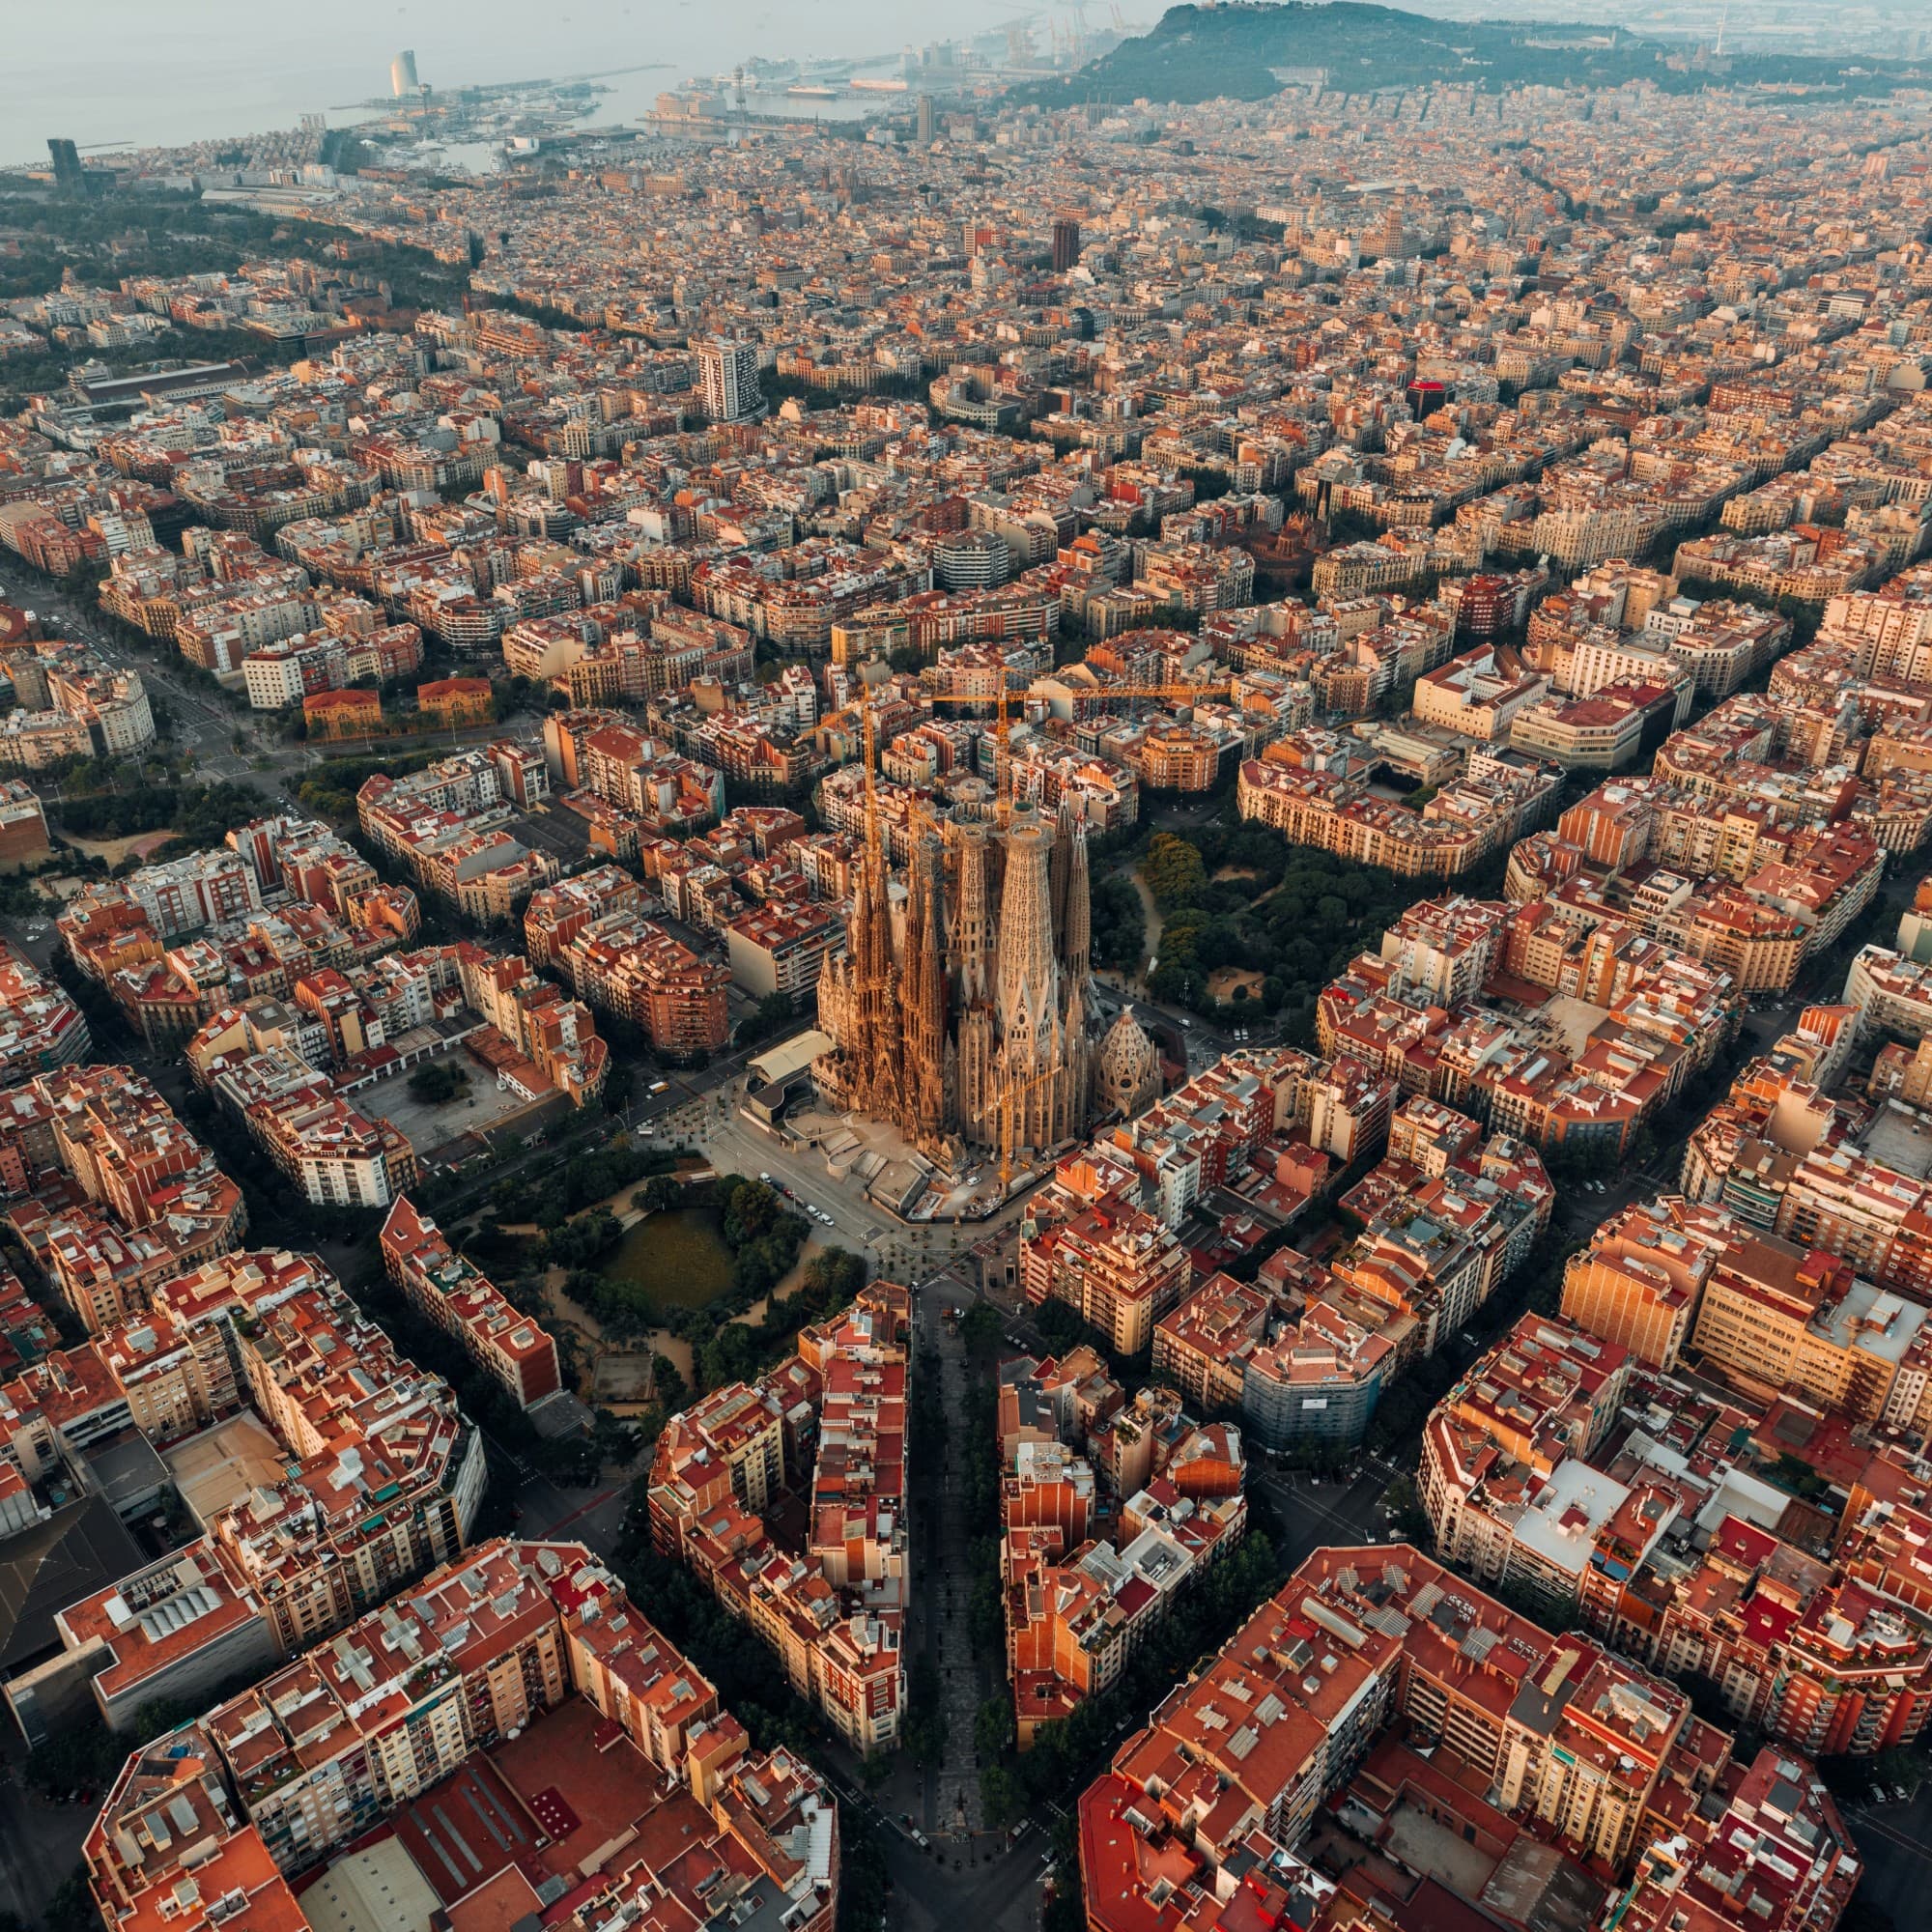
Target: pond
678	1258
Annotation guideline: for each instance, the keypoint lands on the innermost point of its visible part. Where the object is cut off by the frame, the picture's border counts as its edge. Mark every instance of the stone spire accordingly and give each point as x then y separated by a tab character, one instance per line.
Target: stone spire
1032	1035
978	1113
1029	978
1063	864
881	1035
972	915
1129	1074
1076	930
977	1019
924	1000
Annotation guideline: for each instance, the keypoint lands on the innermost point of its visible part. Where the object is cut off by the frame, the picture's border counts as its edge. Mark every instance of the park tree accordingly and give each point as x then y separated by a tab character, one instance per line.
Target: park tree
1174	872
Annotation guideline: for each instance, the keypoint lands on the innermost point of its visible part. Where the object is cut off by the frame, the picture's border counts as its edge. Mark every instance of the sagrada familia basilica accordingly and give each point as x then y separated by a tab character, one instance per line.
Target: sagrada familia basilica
963	1011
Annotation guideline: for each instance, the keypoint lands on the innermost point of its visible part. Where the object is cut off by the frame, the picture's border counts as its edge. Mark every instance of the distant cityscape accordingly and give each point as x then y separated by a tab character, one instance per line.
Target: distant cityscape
926	1000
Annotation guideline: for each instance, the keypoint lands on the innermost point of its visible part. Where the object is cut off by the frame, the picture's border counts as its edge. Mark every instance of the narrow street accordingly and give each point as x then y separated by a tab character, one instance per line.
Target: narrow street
942	1590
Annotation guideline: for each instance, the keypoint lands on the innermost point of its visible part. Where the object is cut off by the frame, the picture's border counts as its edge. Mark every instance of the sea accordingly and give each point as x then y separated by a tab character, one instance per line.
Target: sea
129	73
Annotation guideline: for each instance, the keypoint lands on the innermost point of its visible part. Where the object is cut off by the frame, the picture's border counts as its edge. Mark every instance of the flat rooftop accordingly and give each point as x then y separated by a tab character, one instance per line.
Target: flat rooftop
1902	1139
499	1905
377	1889
221	1466
125	1470
1874	1320
479	1109
1575	1020
463	1831
582	1797
1424	1844
1562	1528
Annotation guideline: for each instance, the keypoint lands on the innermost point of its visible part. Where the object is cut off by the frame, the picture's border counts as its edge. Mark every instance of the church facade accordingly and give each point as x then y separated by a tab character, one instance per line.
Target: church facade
963	1009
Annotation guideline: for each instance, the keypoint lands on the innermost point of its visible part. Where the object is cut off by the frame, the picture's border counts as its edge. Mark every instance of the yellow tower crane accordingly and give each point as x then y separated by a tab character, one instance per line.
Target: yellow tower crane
1030	1084
1002	701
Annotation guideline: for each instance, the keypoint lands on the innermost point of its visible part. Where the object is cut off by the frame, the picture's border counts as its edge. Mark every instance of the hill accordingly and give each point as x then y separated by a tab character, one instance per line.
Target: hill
1201	52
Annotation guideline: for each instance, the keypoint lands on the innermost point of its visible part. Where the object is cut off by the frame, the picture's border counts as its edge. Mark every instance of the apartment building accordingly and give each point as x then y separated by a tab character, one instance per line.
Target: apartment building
1778	1316
1892	995
339	1418
1692	1563
291	670
1302	1377
729	371
337	1155
782	947
40	1028
516	1640
69	704
1079	1607
513	1348
1440	1234
624	964
1119	1268
555	915
829	1427
731	1443
1089	1571
1641	1280
23	826
153	1205
1325	805
447	826
1664	1015
1504	1474
1571	1746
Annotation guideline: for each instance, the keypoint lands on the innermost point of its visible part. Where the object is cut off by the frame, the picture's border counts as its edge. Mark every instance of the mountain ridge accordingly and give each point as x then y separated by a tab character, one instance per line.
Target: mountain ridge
1201	52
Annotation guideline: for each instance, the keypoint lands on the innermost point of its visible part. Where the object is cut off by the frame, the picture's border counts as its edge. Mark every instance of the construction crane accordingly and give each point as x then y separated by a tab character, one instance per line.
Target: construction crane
1002	703
1072	38
1030	1084
1014	1088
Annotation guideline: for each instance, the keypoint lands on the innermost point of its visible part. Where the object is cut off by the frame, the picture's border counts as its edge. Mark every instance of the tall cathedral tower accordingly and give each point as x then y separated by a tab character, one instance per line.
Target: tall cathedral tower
978	1027
1031	1054
924	999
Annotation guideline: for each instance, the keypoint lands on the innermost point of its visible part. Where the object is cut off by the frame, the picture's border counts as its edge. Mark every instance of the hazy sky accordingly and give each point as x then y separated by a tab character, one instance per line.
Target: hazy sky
115	71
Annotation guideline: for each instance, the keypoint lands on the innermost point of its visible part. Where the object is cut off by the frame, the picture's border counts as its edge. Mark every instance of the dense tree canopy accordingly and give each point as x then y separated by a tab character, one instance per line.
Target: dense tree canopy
198	815
1293	914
